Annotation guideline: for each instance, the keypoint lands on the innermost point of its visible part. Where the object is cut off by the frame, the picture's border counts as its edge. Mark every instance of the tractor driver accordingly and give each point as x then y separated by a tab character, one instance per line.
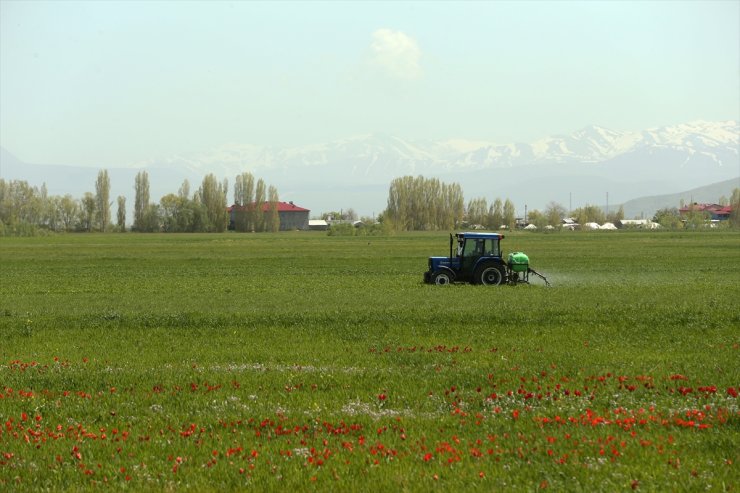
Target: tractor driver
479	248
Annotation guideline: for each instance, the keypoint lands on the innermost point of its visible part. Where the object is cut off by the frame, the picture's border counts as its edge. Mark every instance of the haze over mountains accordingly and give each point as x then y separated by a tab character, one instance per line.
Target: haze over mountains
574	170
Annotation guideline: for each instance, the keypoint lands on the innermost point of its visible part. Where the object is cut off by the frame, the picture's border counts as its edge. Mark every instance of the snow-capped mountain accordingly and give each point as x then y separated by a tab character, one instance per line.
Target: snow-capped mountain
595	144
369	154
356	172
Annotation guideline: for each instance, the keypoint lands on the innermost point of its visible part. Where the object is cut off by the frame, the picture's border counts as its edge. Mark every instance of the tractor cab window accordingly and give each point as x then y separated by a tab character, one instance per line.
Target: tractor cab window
474	248
492	247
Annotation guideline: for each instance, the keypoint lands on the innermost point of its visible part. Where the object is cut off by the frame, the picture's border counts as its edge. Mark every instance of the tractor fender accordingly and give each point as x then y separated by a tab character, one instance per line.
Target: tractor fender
452	273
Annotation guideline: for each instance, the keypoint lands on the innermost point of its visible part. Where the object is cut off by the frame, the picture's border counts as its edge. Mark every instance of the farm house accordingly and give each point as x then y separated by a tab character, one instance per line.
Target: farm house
291	216
716	212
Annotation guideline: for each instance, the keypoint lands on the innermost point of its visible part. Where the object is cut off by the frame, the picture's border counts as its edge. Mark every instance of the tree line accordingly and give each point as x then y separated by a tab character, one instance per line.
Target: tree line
414	203
27	210
418	203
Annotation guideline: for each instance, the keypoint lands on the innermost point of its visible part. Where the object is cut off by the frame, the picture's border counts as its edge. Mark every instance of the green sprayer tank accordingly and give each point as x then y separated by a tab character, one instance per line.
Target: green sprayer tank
518	262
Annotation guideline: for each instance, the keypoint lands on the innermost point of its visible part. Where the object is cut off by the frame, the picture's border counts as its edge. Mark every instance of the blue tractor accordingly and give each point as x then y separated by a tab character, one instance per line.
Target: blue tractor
478	259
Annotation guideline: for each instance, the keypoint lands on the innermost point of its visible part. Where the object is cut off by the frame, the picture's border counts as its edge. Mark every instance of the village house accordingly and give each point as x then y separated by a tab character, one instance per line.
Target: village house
716	212
292	217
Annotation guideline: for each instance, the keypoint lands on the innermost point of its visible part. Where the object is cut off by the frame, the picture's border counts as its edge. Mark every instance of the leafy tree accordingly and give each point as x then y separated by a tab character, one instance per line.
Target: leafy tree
141	201
423	204
496	214
169	207
273	218
537	218
121	213
668	217
244	215
51	216
213	197
87	211
555	213
695	218
589	214
613	217
259	203
509	214
735	204
21	207
477	212
343	215
102	200
68	211
151	220
184	191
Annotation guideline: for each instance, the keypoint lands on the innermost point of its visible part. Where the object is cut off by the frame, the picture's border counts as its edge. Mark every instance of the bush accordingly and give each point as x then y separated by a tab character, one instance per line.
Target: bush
342	229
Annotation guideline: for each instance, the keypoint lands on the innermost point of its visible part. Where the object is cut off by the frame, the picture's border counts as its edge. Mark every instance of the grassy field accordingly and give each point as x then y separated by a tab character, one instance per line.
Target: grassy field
269	362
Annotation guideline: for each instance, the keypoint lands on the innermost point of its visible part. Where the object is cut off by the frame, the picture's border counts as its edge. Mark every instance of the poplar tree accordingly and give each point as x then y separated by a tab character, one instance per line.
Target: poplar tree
121	213
735	204
141	201
477	211
68	209
102	200
213	197
184	191
273	217
496	214
87	211
509	214
243	198
259	202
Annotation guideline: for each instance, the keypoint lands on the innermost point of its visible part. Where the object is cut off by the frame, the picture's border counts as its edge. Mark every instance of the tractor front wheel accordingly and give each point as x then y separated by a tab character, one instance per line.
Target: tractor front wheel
490	275
442	278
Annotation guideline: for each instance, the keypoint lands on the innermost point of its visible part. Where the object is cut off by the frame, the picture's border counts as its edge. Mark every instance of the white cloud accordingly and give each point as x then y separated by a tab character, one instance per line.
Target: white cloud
396	53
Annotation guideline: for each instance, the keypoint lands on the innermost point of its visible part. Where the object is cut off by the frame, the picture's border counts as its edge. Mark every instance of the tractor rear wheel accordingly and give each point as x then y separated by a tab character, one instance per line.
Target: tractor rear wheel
490	275
442	278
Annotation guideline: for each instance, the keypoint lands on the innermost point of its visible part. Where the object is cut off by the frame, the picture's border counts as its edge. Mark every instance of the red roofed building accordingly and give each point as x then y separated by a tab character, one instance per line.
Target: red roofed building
291	216
716	212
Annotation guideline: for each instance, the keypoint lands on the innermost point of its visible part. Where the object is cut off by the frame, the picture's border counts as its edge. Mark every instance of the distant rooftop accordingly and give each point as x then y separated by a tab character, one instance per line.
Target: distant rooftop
281	207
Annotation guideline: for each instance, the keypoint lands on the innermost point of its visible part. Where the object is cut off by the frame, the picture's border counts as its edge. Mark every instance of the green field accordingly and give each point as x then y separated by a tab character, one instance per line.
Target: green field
267	362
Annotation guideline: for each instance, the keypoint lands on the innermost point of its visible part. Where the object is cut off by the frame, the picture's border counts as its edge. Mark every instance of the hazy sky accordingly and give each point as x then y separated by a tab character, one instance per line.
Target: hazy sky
110	83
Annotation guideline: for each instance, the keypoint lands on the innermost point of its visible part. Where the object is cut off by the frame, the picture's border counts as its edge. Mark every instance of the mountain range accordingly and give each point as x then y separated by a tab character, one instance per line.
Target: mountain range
593	165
